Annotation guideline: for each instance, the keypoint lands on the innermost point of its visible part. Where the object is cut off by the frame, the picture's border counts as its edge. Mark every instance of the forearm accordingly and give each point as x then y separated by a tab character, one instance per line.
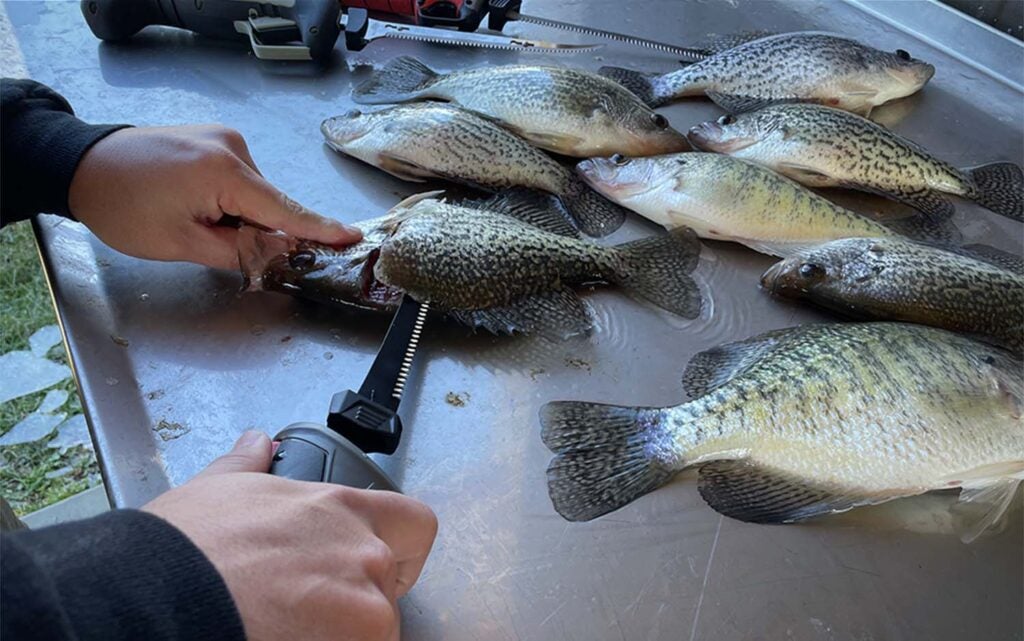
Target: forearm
41	144
125	575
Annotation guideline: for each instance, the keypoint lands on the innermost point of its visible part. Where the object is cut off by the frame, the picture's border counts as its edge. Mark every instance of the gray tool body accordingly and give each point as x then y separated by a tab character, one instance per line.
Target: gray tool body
358	422
275	29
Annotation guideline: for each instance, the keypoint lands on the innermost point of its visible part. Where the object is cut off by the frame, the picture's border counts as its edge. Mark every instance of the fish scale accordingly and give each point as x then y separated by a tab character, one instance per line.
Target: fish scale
805	421
824	147
895	279
805	66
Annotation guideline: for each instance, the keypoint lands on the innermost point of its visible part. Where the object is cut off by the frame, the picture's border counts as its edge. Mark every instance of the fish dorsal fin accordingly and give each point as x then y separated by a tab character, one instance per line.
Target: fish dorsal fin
712	368
993	256
931	203
557	314
717	43
539	209
748	491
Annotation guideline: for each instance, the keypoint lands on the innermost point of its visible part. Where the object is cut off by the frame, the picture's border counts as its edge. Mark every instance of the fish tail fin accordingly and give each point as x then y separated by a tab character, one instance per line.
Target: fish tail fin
594	214
941	233
606	456
402	79
658	268
981	507
999	187
643	85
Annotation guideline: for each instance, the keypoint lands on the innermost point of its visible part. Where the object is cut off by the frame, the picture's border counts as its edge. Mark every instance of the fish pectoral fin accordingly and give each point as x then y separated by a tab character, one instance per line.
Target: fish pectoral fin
807	175
983	504
747	491
556	314
401	168
558	143
536	208
736	103
712	368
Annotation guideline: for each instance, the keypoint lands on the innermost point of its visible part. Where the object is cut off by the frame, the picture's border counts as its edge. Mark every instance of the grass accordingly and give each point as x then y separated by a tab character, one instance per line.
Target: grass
26	307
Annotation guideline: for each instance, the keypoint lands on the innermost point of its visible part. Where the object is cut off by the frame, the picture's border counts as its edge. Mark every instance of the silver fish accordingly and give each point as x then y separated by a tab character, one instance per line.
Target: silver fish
787	67
567	111
897	279
434	140
823	147
807	421
723	198
507	264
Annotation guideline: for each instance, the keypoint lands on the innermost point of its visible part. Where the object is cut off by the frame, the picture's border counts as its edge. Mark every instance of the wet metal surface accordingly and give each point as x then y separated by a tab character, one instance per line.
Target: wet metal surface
200	364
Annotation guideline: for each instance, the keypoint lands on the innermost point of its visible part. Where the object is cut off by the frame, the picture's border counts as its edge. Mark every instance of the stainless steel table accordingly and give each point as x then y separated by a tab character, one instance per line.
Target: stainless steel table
201	363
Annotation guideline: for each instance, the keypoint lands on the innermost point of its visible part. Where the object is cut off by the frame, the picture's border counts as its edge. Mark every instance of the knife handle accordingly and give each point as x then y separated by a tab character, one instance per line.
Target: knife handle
310	452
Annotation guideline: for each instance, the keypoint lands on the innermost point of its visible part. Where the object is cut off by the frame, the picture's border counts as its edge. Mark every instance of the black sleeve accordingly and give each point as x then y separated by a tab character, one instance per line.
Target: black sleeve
122	576
41	143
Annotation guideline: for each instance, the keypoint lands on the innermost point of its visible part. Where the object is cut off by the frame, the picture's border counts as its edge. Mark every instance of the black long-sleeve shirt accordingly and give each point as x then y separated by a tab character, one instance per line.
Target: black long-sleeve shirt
125	575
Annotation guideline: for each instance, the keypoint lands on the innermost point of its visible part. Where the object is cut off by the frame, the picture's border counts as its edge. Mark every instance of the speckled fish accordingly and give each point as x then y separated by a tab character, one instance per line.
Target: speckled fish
505	265
567	111
825	147
433	140
723	198
787	67
896	279
807	421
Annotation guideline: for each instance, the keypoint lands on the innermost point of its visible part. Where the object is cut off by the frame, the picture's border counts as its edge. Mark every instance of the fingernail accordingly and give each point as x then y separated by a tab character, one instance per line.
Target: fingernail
249	438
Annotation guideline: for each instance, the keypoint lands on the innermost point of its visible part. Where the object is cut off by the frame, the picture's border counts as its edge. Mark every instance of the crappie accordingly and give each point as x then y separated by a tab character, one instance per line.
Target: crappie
806	421
432	140
787	67
824	147
723	198
567	111
505	265
896	279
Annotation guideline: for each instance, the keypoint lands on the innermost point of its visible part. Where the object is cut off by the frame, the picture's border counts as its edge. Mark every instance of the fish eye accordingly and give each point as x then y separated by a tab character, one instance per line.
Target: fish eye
810	270
661	122
302	260
727	119
902	54
353	113
619	160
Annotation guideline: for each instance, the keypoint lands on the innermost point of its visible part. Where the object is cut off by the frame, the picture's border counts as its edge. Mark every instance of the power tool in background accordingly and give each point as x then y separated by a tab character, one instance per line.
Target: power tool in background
309	29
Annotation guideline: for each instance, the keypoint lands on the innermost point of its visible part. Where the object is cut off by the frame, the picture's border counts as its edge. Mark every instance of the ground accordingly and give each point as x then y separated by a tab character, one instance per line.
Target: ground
33	475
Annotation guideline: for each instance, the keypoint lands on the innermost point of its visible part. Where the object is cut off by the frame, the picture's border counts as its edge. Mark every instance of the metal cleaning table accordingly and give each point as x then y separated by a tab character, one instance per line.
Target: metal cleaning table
202	363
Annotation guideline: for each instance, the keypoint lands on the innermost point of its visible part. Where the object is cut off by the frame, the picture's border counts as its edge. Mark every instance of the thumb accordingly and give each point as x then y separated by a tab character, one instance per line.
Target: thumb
251	453
255	200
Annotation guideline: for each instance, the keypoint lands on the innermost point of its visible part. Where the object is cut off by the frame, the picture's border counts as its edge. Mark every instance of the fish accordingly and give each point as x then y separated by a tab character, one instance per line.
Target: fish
825	147
725	198
805	421
421	141
567	111
787	67
897	279
507	264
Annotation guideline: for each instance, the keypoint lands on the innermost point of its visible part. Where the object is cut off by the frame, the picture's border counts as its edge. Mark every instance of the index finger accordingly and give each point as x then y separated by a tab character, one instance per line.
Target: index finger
255	200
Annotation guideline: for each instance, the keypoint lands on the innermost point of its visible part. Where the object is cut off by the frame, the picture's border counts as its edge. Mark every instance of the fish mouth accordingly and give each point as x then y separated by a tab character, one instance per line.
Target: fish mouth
710	136
775	282
341	130
604	176
913	75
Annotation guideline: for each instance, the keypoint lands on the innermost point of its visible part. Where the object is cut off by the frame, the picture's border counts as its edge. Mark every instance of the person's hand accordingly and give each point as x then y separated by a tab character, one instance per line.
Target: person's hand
160	192
311	561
